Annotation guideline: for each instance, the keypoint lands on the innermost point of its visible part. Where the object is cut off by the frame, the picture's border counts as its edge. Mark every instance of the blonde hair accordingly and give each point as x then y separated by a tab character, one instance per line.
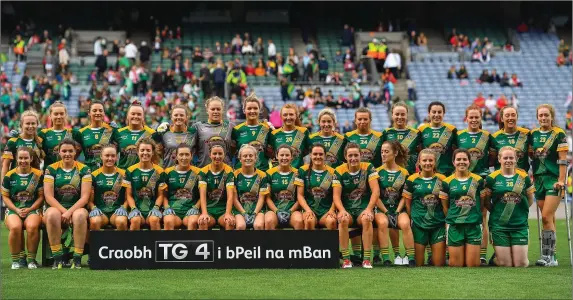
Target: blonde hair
431	152
246	147
297	121
148	141
58	104
214	98
251	98
504	148
549	107
327	112
36	138
180	106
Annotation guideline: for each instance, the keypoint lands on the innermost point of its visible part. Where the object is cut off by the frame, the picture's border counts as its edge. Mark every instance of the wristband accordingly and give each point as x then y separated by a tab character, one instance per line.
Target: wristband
562	162
156	207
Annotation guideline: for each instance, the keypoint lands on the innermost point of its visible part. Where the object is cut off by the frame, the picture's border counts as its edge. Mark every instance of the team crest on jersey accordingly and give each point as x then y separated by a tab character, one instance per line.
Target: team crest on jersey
216	194
391	194
465	201
541	152
257	145
215	140
366	154
331	158
68	190
437	147
285	196
519	153
109	198
249	197
510	197
145	193
23	197
95	150
318	193
183	194
475	154
430	199
130	150
356	194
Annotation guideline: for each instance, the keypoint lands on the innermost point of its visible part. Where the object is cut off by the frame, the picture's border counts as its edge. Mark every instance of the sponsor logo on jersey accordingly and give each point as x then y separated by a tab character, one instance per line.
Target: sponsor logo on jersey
510	197
109	198
465	201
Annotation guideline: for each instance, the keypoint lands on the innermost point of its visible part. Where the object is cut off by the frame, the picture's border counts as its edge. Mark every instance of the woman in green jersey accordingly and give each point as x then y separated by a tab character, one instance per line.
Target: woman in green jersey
127	137
29	122
508	195
511	135
291	133
422	194
169	137
217	191
477	141
440	137
355	193
22	193
411	140
368	139
251	189
253	132
327	136
51	137
181	198
462	200
145	182
549	163
314	192
281	199
390	208
67	189
107	202
95	135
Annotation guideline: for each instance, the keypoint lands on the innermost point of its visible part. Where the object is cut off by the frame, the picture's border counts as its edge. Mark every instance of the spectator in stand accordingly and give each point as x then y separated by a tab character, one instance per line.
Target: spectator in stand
484	77
487	44
98	49
322	68
158	79
388	91
563	48
501	102
64	59
454	39
422	42
227	48
393	62
177	54
508	47
218	49
144	53
346	38
338	57
476	56
484	55
271	50
514	81
208	55
346	128
292	55
247	49
480	101
504	80
491	105
476	44
205	79
388	76
561	59
494	77
462	73
157	45
260	69
452	73
49	63
236	44
522	27
349	66
197	55
272	68
115	48
247	38
250	68
101	64
130	51
513	101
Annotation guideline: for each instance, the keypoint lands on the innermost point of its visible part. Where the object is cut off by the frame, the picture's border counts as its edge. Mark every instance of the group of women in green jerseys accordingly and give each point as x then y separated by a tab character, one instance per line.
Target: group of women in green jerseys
432	183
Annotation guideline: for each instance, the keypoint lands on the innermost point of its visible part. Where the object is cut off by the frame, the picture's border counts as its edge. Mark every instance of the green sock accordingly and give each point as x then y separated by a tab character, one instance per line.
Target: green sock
367	254
385	254
429	250
357	250
57	251
375	250
447	253
22	254
482	253
31	256
15	257
78	252
345	253
410	253
555	254
396	251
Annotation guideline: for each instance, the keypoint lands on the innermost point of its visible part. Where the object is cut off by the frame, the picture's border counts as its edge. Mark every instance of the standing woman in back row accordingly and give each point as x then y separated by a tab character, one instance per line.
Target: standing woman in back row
333	141
169	137
127	137
51	137
94	136
511	135
214	131
440	137
549	147
292	134
409	138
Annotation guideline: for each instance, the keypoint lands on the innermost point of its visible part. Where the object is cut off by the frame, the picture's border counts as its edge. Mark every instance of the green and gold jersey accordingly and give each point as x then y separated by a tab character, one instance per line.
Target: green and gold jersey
108	189
370	145
410	138
464	199
256	136
51	139
249	188
510	206
355	186
218	185
126	140
478	144
67	183
282	187
391	186
12	147
334	147
23	189
317	188
546	147
182	189
425	194
92	141
145	185
297	139
169	140
520	140
441	140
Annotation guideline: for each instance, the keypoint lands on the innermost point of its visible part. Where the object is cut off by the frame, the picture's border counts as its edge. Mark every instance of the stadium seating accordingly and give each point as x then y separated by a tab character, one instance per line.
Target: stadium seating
14	77
478	28
535	65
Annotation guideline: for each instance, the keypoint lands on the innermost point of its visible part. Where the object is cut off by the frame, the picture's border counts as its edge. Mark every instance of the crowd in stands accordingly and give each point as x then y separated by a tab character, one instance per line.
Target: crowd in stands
486	77
564	55
491	107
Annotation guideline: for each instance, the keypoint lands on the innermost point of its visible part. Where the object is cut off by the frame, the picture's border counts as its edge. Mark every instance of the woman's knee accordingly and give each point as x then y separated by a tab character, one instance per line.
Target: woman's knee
79	216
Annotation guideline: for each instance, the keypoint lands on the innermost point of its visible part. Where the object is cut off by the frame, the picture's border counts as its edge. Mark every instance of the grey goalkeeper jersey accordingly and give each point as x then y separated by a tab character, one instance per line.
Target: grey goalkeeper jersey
206	134
170	140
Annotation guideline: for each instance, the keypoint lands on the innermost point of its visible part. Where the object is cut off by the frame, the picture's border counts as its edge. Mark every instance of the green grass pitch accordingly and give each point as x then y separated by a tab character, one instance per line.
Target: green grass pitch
378	283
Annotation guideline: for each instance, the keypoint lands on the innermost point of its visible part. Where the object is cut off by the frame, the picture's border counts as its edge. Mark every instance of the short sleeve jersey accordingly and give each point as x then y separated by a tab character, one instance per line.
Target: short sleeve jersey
355	186
510	206
145	185
256	136
51	139
67	183
23	189
478	144
464	199
206	134
426	194
370	145
92	141
169	141
249	188
317	188
334	147
182	188
410	139
14	143
297	139
546	147
282	187
218	186
108	189
520	140
391	186
441	140
126	140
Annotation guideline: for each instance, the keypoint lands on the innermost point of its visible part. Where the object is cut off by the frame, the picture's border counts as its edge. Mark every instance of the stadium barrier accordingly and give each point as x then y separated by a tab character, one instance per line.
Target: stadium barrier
214	249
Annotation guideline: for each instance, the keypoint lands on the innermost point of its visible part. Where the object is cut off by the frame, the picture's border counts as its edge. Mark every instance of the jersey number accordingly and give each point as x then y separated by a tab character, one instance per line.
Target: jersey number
285	181
436	135
181	180
542	139
144	178
109	182
510	184
363	142
473	140
289	139
327	144
96	136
